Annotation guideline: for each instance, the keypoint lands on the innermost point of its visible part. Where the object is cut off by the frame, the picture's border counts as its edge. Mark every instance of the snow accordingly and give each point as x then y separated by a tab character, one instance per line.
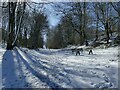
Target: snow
1	56
58	68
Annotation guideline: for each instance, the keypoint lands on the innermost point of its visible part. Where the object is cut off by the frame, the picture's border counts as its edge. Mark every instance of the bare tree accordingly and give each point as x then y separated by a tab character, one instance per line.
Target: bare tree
103	14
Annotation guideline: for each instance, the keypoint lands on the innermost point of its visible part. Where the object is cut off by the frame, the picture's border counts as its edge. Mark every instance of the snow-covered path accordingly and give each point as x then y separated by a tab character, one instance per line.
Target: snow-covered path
60	68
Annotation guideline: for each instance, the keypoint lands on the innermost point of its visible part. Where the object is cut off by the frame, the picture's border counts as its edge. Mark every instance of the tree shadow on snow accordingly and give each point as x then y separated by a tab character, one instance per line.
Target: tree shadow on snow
10	65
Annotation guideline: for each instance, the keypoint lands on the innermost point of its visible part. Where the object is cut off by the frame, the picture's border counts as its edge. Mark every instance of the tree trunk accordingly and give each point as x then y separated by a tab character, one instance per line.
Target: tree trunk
107	32
96	34
107	24
11	27
84	24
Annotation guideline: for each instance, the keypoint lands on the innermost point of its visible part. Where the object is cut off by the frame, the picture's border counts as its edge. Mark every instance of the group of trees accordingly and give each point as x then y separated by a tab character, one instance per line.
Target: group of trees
82	22
24	23
38	24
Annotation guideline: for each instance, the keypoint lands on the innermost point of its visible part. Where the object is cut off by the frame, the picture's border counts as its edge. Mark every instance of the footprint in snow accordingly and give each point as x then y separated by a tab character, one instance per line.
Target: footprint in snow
97	64
26	85
93	72
20	77
106	78
112	60
107	66
92	83
103	85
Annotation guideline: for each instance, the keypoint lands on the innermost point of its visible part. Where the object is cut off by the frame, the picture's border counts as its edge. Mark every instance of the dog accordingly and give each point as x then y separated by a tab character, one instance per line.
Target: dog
81	50
90	51
77	52
73	50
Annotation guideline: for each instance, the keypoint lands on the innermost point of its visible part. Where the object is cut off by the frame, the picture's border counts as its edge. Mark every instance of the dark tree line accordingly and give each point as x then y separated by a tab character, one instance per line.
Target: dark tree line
23	24
84	22
80	22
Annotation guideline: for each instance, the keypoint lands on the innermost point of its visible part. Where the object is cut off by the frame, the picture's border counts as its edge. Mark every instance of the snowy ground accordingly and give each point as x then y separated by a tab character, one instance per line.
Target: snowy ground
1	55
47	68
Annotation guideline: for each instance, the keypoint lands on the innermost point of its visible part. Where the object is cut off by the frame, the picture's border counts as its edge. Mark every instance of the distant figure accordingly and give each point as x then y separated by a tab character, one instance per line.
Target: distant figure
90	51
77	52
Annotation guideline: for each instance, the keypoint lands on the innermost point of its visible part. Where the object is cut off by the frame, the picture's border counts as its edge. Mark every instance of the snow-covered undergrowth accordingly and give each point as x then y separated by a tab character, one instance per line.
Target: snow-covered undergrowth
49	68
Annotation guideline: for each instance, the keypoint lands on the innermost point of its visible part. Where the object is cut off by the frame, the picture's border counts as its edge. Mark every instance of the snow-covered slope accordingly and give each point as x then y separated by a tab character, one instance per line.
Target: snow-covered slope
60	68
